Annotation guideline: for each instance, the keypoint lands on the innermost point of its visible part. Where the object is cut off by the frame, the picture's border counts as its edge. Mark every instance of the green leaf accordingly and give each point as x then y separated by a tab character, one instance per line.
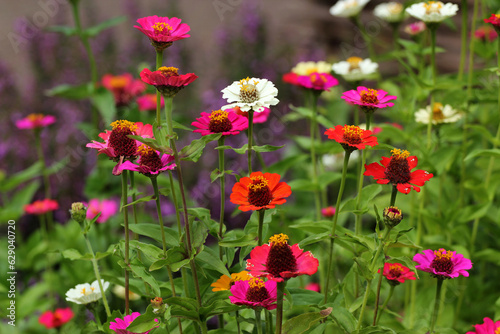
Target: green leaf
193	151
65	30
367	195
281	167
12	181
153	143
95	30
363	268
211	259
151	251
140	271
216	174
345	319
244	148
245	240
378	330
104	101
176	258
140	200
178	125
153	231
144	322
188	304
71	254
72	92
302	296
302	323
493	152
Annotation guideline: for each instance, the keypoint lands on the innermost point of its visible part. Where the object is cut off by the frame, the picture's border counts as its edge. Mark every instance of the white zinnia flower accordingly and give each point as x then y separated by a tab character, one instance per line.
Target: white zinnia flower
432	11
440	114
250	93
389	11
86	293
348	8
355	68
308	67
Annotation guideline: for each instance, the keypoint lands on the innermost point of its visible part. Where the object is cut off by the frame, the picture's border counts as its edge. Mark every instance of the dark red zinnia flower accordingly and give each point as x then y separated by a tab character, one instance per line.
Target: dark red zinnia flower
57	318
167	80
396	273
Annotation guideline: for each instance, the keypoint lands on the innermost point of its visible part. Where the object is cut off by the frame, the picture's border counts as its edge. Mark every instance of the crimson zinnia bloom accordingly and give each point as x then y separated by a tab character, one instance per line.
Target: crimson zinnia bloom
35	121
351	137
124	87
167	80
396	273
369	99
442	264
397	171
488	327
254	294
150	163
220	121
258	117
147	102
163	31
278	261
57	318
41	207
494	19
260	191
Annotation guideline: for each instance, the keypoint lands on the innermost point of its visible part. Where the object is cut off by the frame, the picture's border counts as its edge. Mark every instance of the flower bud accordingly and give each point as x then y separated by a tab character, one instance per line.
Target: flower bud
157	304
392	216
78	212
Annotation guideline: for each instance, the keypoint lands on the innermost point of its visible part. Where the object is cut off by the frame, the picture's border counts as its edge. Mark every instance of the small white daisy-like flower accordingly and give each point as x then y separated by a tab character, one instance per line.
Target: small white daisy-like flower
432	11
440	114
390	11
250	93
348	8
308	67
86	293
355	68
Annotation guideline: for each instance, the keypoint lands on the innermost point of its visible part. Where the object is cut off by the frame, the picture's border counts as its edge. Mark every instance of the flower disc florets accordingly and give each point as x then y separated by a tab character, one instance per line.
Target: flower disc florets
119	140
398	170
280	257
257	292
149	157
259	193
442	262
219	121
248	90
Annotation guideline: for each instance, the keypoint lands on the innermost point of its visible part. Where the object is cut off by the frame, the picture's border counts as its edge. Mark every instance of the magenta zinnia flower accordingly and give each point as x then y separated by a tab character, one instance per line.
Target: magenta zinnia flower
443	264
150	163
147	102
328	212
220	121
167	80
57	318
489	327
163	31
41	207
124	87
258	117
254	294
278	261
121	325
107	208
317	81
396	273
369	99
35	121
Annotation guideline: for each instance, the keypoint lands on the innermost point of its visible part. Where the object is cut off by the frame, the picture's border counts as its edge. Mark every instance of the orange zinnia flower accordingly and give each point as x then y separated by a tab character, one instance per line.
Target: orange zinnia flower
260	191
225	282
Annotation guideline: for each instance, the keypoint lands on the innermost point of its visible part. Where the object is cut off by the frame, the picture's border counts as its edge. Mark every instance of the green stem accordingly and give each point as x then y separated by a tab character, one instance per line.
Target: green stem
357	224
366	38
250	138
377	298
237	315
98	275
125	222
159	60
382	309
174	200
222	198
279	306
158	211
335	219
436	305
432	28
262	213
41	158
269	321
463	49
45	235
394	193
258	322
314	108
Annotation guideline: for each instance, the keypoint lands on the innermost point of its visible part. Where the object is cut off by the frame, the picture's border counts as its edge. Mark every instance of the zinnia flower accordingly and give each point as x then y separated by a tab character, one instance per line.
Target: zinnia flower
147	102
254	294
167	80
313	287
260	191
41	207
397	171
121	325
352	137
355	68
225	282
163	31
432	11
443	264
348	8
260	117
396	273
494	19
488	327
86	293
250	94
124	87
369	99
328	212
311	75
106	207
35	121
440	114
391	12
278	261
485	34
220	121
150	163
57	318
415	28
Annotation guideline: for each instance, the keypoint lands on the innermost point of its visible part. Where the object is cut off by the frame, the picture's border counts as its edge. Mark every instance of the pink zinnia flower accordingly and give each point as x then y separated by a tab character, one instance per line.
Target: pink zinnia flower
317	81
369	99
147	102
167	80
41	207
150	163
57	318
328	212
220	121
291	78
121	325
442	264
396	273
415	28
107	208
124	87
163	29
313	287
486	34
494	19
35	121
258	117
254	294
278	261
489	327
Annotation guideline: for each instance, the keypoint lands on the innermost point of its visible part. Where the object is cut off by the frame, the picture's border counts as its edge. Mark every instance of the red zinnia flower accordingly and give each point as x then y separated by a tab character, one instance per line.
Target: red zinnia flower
313	287
495	20
443	264
260	191
352	137
167	80
328	212
397	171
35	121
396	273
368	98
254	294
55	319
41	207
278	261
489	327
163	31
124	87
147	102
150	163
220	121
485	34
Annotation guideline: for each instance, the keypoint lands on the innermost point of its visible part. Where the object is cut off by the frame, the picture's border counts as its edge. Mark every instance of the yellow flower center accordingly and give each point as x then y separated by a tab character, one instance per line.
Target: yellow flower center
219	121
256	283
400	154
258	183
395	8
354	62
85	292
218	115
437	112
118	81
497	331
443	254
124	125
161	27
169	71
433	7
369	96
394	268
144	150
352	3
352	134
35	117
498	17
278	239
392	213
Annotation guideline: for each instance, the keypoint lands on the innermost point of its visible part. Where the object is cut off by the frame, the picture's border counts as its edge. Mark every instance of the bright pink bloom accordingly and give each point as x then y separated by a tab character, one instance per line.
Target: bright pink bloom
489	327
313	287
415	28
278	261
167	80
124	87
397	171
35	121
328	212
163	29
147	102
121	325
254	294
368	98
258	117
495	20
57	318
149	163
442	264
41	207
397	273
220	121
352	137
317	81
291	78
107	208
486	34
